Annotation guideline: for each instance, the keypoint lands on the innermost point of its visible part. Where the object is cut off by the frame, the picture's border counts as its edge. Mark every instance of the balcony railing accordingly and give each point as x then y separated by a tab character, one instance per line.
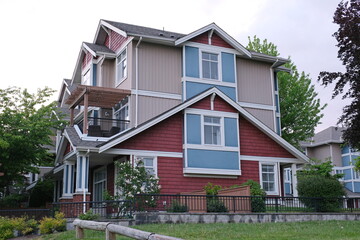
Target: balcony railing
104	127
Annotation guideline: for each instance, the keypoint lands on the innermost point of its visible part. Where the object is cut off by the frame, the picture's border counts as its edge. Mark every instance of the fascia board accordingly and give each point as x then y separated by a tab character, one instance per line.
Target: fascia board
97	31
89	50
77	65
108	25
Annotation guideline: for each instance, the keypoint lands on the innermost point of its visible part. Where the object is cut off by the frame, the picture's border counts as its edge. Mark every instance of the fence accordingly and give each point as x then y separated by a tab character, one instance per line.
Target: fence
104	209
206	203
30	213
111	230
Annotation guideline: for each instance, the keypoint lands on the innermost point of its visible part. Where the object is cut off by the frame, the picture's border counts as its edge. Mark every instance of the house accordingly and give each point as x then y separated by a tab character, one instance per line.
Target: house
328	145
195	108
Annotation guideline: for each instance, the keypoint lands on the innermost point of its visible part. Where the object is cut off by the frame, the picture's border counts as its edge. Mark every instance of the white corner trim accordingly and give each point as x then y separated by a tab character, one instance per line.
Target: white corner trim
257	106
211	171
157	94
207	81
144	153
108	25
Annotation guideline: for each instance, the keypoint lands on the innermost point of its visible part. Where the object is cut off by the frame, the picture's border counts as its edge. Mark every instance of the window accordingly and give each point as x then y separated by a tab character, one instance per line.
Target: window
269	178
355	174
212	130
99	184
149	163
121	67
121	113
339	171
210	66
86	78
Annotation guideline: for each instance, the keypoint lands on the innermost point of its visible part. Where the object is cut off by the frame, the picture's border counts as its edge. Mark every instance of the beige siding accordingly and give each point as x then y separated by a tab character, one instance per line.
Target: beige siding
254	82
159	68
322	153
265	116
336	153
150	107
107	70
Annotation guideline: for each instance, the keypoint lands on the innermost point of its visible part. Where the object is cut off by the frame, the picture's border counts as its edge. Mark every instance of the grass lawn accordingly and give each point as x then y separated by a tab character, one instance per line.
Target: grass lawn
298	230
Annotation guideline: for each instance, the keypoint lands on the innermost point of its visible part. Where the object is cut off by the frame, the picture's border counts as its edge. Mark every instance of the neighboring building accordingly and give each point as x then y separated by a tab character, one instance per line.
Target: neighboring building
328	145
195	108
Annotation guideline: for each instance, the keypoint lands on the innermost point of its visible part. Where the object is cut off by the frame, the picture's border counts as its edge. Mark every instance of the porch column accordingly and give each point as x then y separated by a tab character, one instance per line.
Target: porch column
294	179
68	179
86	106
82	173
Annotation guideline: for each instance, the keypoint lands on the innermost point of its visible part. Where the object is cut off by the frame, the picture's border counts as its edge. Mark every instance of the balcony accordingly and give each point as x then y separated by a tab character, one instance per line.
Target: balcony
103	127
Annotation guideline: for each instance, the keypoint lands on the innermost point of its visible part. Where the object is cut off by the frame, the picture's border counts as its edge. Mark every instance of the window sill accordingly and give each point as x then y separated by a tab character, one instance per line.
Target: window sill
211	171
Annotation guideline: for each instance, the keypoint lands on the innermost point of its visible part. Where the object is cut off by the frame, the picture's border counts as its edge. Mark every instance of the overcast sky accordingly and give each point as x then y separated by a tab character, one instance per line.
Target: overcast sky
40	40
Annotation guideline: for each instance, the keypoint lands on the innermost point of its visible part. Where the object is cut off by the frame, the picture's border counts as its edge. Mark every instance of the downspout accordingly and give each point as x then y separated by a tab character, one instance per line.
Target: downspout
137	81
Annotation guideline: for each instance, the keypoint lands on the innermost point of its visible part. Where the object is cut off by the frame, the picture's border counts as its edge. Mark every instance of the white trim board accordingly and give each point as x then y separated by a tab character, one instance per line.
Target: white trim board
211	171
208	81
268	159
157	94
144	153
256	106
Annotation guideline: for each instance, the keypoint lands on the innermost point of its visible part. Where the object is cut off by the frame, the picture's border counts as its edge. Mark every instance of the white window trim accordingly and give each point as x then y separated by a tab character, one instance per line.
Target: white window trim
276	177
222	129
211	171
119	81
219	67
155	166
84	72
98	170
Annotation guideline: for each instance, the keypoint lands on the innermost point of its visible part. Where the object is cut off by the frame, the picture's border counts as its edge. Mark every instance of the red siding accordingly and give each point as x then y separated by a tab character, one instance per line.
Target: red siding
172	180
116	41
219	105
253	142
68	149
164	136
87	58
216	40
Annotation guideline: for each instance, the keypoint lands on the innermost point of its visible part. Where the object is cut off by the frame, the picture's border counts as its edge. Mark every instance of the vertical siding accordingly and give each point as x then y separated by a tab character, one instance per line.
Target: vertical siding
159	68
107	73
265	116
150	107
254	82
320	152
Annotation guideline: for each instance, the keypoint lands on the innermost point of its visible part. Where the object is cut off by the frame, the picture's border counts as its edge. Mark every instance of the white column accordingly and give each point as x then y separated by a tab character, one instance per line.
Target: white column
294	179
68	179
82	173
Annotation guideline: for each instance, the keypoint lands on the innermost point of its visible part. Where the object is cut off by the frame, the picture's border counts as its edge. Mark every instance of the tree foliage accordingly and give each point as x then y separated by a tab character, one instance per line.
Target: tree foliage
347	16
300	108
27	122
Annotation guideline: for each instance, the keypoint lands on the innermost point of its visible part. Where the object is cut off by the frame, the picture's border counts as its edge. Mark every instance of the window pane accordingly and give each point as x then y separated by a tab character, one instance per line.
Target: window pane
205	56
214	70
208	135
213	57
148	162
216	135
206	69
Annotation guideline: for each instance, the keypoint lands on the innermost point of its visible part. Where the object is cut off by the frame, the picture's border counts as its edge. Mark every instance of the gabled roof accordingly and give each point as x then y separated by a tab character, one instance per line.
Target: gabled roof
213	27
329	135
146	125
96	49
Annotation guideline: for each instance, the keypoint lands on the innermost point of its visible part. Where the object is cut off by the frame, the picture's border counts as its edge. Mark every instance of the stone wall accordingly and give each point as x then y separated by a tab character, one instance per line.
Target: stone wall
145	218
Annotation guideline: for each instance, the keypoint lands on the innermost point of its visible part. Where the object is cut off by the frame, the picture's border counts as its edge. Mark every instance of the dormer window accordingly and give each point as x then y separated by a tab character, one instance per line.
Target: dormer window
210	65
121	67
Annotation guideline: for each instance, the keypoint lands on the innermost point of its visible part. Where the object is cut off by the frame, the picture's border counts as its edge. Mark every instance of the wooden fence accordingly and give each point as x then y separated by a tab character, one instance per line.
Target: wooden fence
112	229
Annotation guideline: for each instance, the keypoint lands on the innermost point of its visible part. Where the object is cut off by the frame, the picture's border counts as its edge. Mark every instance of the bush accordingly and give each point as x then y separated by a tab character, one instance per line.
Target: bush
213	204
6	228
42	193
176	206
24	225
257	196
327	190
13	201
89	215
50	225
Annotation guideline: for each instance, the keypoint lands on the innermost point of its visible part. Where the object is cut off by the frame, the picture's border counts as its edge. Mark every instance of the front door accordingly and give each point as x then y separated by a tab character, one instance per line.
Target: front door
287	182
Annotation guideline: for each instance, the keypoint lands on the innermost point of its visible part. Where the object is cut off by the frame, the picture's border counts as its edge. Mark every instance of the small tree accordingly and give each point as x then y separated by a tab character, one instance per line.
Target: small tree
320	190
132	180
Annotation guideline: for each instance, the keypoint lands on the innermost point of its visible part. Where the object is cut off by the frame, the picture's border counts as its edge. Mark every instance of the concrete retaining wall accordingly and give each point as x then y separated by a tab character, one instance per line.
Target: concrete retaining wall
145	218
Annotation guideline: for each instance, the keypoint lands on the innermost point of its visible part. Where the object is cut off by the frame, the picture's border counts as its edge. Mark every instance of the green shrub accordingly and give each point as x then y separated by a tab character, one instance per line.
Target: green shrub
6	228
89	215
212	189
328	192
257	196
13	200
213	204
50	225
24	225
176	206
42	193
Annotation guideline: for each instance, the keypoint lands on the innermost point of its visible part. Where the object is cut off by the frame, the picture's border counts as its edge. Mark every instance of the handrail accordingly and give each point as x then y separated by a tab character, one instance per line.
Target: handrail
112	229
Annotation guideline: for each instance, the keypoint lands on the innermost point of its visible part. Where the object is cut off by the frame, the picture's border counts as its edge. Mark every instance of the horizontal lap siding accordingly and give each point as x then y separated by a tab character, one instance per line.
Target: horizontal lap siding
253	142
172	180
219	105
115	41
165	136
87	58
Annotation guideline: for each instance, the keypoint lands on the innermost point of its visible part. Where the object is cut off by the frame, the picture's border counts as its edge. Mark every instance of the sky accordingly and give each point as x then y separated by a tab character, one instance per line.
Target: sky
41	39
